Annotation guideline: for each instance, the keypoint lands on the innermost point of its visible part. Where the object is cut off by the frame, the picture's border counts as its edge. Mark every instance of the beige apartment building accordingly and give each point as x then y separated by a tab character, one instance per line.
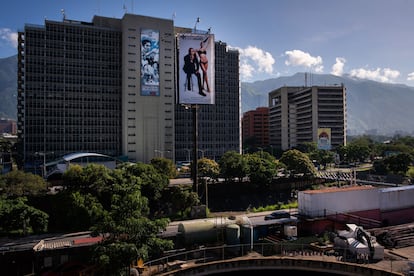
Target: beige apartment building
307	114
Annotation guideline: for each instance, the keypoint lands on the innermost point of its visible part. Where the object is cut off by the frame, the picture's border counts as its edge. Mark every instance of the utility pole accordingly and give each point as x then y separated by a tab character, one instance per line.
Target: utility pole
195	148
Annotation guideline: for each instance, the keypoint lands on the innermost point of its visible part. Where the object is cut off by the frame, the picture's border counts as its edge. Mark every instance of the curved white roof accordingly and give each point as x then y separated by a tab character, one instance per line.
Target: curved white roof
72	156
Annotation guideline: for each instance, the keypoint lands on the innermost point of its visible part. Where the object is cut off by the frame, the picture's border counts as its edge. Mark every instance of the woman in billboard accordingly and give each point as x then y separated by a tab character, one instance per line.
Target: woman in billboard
202	55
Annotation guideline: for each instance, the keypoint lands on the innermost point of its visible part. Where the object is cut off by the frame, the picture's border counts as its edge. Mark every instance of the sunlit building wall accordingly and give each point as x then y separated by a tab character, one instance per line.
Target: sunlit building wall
296	114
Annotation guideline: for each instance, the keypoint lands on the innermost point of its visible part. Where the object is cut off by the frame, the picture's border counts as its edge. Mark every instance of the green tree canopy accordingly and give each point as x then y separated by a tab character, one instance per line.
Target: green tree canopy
398	164
298	162
164	166
18	183
18	218
128	233
233	165
208	168
261	170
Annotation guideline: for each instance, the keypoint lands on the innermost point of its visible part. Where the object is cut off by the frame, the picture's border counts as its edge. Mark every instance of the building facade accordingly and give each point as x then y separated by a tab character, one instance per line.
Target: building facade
97	87
307	114
69	90
255	127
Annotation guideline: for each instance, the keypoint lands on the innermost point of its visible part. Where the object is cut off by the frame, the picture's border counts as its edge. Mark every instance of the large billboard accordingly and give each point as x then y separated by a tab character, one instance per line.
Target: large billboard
150	60
324	138
196	69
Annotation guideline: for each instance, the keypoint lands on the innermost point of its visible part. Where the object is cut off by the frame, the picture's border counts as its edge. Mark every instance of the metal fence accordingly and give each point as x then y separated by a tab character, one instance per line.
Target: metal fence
175	260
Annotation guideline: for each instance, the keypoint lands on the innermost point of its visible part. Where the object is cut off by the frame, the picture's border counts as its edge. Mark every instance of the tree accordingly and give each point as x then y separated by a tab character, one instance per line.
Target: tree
208	168
261	170
18	183
307	147
164	166
298	163
323	157
150	181
18	218
357	152
127	231
180	199
233	165
398	164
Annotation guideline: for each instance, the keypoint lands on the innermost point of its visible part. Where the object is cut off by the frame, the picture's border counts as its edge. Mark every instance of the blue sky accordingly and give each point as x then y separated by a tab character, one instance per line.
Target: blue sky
371	39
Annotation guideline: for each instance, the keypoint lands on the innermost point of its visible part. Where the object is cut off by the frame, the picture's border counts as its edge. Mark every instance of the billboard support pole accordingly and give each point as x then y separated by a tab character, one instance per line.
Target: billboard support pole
195	148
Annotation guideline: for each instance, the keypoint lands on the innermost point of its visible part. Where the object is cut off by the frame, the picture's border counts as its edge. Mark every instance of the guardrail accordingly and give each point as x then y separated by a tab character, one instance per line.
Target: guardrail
205	255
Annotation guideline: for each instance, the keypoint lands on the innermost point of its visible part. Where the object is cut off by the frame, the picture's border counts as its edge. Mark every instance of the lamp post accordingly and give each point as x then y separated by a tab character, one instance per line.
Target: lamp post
195	145
44	162
161	152
261	151
195	25
202	152
188	155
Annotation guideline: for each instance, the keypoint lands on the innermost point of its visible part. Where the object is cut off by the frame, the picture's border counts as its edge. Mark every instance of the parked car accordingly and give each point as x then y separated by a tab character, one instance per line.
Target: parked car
277	215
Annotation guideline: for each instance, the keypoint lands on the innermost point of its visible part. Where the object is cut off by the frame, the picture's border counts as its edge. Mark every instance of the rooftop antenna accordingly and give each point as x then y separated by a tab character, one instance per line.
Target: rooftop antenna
62	11
195	26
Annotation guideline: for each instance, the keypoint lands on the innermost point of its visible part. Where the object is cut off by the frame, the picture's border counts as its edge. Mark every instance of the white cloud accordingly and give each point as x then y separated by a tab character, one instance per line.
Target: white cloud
8	36
410	76
246	70
254	61
338	67
381	75
300	58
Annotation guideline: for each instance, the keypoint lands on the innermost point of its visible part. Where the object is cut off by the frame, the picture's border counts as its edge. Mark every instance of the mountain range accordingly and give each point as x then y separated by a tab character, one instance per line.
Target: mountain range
372	107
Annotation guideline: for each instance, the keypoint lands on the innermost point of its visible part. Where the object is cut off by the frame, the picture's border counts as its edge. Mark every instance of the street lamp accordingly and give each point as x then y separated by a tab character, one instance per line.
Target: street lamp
261	151
161	153
44	162
195	26
202	151
188	154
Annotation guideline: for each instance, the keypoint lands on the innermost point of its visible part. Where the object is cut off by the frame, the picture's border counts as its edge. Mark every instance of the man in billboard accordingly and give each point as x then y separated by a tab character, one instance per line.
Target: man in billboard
191	67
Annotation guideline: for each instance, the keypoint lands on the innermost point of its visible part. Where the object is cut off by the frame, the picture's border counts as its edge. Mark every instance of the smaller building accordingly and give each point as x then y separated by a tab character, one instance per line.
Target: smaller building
255	127
8	126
